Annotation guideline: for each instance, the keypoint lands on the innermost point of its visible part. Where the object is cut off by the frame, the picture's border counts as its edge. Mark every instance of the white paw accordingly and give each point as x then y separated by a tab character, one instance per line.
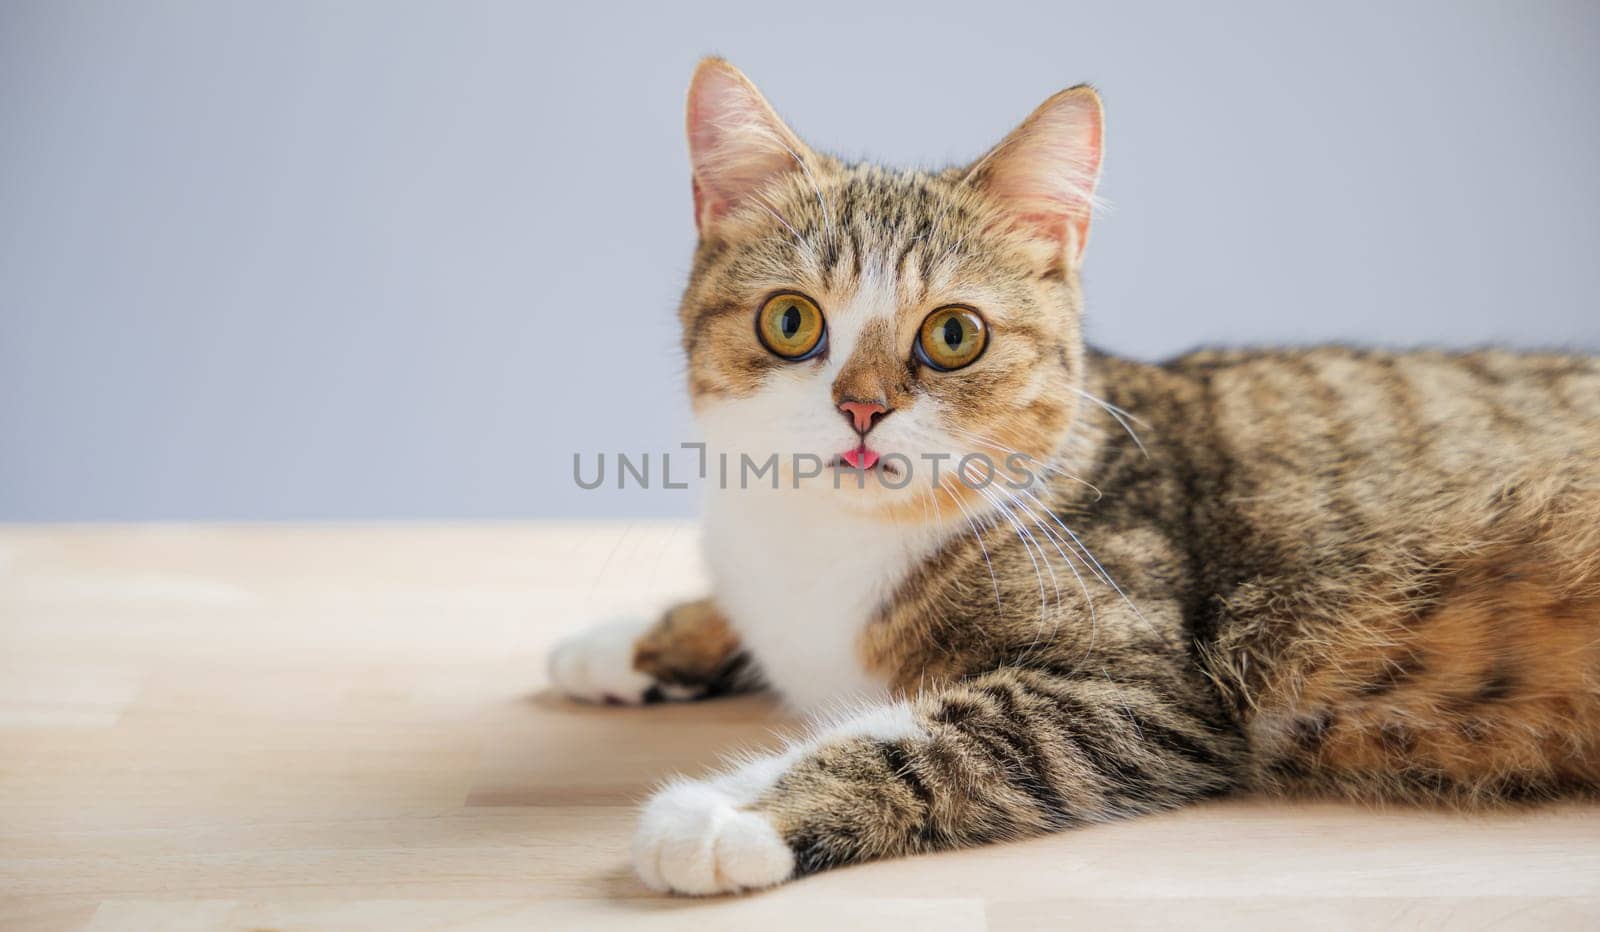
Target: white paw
694	839
597	665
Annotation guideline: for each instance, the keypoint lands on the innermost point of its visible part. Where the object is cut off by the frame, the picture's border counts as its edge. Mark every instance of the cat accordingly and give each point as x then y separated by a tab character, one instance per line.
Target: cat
1318	571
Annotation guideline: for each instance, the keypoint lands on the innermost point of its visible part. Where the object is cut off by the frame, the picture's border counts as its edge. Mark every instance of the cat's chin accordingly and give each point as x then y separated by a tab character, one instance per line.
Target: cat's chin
878	496
871	493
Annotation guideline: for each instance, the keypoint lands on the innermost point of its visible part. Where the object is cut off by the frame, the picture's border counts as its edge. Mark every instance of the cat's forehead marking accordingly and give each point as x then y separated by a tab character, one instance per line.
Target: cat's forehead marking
866	215
870	295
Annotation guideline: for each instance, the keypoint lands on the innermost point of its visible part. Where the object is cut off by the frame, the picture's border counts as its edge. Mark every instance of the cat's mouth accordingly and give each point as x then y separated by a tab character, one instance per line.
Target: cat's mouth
864	458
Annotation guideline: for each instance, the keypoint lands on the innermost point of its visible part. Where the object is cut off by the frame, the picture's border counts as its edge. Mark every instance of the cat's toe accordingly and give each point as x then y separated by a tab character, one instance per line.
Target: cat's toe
694	839
597	666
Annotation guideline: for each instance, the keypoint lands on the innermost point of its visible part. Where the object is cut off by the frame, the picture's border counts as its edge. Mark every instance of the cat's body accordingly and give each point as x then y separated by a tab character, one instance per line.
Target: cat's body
1327	570
1392	560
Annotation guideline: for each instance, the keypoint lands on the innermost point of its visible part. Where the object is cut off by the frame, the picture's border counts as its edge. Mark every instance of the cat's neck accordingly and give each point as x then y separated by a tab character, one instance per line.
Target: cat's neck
800	580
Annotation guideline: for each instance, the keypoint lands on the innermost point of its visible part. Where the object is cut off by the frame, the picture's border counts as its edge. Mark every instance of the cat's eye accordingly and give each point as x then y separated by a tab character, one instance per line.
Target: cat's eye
791	326
952	337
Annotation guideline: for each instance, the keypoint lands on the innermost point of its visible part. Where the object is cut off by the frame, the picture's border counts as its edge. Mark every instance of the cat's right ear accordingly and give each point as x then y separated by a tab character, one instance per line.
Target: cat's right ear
737	144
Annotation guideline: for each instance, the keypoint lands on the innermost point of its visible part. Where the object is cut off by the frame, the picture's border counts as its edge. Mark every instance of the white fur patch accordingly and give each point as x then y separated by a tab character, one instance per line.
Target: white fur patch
597	665
800	580
697	837
888	722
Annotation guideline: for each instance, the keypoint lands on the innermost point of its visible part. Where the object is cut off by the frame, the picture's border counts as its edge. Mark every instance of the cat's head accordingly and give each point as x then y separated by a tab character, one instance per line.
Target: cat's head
857	315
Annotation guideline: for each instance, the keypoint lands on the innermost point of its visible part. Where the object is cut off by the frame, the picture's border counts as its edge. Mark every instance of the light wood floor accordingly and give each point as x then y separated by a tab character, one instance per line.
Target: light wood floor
346	728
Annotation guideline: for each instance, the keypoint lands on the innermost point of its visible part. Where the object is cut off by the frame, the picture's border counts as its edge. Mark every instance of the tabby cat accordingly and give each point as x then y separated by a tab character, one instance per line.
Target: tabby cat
1327	570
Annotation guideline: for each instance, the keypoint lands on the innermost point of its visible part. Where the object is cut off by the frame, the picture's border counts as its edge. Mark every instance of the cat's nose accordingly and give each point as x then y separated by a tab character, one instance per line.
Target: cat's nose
862	415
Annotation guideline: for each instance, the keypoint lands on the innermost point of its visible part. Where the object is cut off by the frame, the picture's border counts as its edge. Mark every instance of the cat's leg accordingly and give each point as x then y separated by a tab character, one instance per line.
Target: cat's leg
1007	754
690	653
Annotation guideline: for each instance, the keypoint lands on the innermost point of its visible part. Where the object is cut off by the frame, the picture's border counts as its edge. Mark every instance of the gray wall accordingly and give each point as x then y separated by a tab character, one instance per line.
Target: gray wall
354	260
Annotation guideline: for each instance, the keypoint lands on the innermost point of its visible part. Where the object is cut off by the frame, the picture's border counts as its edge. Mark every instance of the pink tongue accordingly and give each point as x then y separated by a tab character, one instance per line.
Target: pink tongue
860	458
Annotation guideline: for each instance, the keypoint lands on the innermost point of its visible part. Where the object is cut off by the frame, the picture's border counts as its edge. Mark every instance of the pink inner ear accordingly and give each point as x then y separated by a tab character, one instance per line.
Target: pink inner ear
1045	172
737	145
700	218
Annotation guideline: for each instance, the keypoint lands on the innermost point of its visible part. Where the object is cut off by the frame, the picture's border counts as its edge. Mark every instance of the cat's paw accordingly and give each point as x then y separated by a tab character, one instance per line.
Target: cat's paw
597	666
694	839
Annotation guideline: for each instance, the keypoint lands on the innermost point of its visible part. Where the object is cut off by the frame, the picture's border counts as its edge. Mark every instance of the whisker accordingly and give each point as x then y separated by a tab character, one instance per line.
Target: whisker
1045	465
799	240
979	538
1120	415
1100	570
827	218
1027	548
1094	620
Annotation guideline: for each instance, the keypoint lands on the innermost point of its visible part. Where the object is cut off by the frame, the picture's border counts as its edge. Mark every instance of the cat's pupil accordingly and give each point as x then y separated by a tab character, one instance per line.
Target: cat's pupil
952	333
790	322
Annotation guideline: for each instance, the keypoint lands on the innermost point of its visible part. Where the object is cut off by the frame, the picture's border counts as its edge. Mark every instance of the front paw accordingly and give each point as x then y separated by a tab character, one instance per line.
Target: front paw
695	839
597	666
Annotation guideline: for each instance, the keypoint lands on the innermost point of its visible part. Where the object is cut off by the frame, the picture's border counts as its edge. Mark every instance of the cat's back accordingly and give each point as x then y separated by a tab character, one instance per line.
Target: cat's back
1442	412
1401	559
1332	446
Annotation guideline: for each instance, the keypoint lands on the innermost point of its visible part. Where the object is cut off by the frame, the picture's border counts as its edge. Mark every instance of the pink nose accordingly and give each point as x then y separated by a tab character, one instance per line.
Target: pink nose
862	414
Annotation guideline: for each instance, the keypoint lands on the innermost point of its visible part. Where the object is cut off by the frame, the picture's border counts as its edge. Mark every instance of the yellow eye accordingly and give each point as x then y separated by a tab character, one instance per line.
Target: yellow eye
791	326
952	337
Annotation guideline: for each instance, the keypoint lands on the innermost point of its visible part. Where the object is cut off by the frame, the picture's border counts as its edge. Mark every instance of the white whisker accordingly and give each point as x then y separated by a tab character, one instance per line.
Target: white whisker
1122	417
1046	466
1098	569
1094	620
1025	538
979	538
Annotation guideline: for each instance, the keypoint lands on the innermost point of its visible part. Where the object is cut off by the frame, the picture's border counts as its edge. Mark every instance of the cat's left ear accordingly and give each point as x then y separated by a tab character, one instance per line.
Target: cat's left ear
1044	173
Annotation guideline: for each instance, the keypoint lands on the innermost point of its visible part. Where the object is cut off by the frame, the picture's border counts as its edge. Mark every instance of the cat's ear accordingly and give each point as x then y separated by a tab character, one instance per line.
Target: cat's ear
737	144
1044	173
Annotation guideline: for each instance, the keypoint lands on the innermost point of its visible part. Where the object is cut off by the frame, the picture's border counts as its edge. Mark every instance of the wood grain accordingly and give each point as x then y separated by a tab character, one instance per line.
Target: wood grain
346	727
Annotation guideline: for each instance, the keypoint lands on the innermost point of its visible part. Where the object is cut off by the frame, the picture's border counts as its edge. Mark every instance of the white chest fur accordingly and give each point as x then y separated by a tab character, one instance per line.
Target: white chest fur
800	579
